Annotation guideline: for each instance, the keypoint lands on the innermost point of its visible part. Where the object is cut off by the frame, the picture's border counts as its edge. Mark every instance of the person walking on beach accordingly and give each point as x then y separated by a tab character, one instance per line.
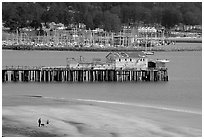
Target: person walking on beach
47	122
39	122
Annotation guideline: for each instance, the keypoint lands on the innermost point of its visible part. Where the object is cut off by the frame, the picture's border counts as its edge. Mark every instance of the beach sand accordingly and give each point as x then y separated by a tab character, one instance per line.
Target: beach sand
74	118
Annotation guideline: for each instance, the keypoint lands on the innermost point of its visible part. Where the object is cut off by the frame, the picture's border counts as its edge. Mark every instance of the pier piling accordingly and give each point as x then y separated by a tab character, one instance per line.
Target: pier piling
82	75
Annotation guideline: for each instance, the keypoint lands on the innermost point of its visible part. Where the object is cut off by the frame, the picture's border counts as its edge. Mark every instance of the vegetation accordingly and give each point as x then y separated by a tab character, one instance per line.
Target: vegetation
109	16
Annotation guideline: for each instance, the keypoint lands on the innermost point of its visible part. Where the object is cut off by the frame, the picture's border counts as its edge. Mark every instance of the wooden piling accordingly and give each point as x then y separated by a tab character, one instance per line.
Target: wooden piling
83	75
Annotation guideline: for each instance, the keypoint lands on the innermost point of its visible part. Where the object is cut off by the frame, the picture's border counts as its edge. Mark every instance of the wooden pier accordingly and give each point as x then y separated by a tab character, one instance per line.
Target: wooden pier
65	74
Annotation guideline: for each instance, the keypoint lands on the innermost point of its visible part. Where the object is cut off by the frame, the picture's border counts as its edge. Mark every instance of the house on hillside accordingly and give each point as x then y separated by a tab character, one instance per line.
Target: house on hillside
124	60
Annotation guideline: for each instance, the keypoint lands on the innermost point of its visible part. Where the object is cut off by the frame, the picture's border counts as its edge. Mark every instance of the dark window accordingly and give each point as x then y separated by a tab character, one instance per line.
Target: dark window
125	59
130	59
119	60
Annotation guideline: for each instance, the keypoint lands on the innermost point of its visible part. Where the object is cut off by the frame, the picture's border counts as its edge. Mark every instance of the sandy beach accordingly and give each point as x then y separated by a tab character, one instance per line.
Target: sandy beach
75	118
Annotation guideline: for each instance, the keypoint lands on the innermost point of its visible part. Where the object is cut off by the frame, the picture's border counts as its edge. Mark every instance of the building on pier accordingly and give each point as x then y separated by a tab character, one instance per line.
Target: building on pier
128	60
96	63
116	67
117	60
159	64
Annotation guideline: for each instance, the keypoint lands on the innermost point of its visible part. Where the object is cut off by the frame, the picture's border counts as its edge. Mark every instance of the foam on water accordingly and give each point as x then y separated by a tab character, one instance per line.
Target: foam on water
142	105
132	104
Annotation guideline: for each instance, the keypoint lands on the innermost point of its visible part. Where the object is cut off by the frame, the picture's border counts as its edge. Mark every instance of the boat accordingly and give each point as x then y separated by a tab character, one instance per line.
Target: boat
163	60
148	52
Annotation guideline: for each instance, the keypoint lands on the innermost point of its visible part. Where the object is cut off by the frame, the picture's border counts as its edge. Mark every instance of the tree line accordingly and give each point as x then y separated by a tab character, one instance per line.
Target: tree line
107	15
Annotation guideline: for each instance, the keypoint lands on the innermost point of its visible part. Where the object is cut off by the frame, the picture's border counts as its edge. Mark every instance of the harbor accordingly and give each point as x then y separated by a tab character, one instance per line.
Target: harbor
55	38
76	39
101	69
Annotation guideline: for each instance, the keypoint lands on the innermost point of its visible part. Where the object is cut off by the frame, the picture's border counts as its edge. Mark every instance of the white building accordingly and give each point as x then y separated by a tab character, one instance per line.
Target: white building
128	60
114	60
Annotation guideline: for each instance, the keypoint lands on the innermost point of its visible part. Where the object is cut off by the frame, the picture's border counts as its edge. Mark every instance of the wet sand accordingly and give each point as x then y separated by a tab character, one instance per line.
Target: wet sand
75	118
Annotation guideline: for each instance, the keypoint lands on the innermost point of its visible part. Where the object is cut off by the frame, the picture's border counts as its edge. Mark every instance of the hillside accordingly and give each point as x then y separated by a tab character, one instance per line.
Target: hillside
109	16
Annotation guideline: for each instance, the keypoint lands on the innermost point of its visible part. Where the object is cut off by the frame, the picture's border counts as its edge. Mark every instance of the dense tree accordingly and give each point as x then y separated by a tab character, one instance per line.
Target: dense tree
89	21
101	14
35	24
98	19
170	17
111	22
156	15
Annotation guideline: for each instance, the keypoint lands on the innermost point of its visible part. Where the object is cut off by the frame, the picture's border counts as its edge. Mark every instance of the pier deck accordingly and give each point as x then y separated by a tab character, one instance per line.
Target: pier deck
65	74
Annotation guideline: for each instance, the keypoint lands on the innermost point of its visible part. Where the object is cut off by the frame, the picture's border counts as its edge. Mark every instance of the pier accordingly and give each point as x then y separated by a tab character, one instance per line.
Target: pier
66	74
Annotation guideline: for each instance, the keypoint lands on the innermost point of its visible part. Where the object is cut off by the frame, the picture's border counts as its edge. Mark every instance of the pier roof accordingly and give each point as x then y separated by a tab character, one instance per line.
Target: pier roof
115	55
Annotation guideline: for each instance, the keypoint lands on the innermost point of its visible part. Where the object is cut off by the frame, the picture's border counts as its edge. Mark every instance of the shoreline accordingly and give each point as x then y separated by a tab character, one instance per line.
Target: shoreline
163	48
73	118
185	40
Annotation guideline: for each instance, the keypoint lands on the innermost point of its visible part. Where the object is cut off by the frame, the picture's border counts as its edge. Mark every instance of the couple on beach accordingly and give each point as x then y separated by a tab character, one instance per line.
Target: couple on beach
40	122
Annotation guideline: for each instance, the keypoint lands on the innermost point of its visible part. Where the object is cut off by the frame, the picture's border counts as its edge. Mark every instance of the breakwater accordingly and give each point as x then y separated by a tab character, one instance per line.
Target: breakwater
65	74
185	40
176	47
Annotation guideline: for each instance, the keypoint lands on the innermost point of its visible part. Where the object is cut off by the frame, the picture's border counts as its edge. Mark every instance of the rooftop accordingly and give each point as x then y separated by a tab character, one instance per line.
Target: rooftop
126	55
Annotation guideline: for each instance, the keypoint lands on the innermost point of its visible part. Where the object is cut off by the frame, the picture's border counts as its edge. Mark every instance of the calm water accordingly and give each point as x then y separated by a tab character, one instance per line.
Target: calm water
184	89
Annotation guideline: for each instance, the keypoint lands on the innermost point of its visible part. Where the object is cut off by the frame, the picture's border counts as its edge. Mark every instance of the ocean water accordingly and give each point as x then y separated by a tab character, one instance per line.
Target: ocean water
183	91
